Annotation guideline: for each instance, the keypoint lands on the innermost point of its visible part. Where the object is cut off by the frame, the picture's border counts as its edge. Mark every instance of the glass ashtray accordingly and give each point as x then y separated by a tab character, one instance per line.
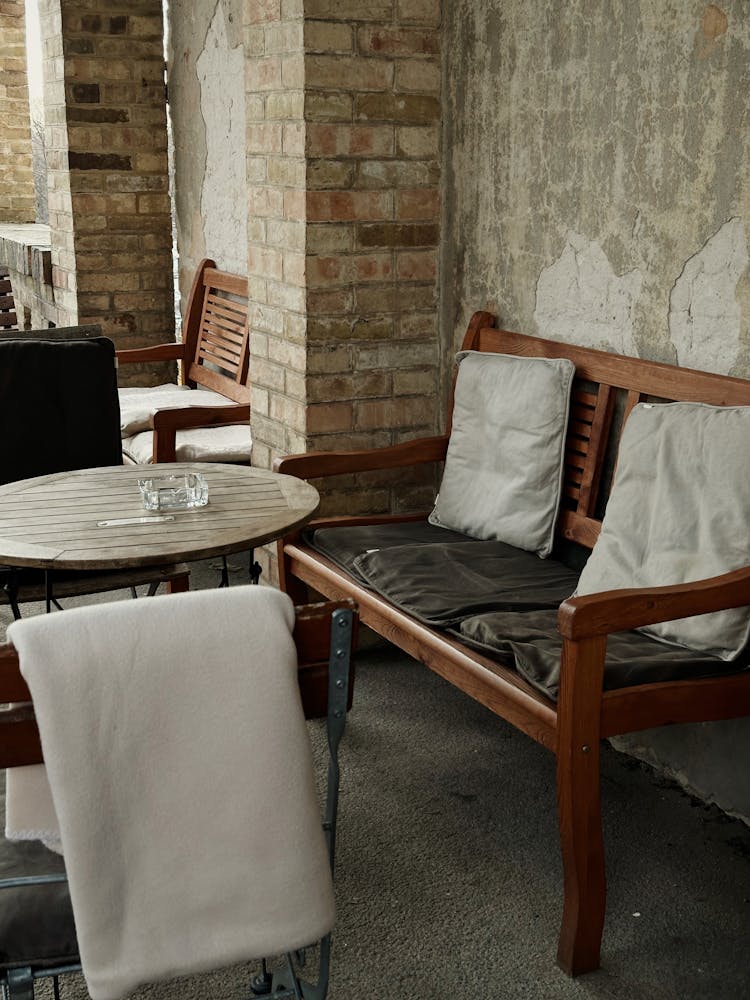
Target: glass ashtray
185	492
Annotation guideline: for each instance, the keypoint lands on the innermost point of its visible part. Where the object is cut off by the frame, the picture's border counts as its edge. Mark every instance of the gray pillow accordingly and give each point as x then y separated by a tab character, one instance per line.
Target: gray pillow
503	470
679	511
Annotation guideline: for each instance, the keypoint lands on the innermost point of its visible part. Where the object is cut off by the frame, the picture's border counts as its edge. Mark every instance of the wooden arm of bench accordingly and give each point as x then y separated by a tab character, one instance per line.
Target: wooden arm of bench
619	610
165	424
159	352
316	464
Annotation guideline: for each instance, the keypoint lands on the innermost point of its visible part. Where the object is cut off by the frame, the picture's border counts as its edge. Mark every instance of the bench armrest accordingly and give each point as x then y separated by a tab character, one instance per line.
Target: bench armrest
619	610
159	352
316	464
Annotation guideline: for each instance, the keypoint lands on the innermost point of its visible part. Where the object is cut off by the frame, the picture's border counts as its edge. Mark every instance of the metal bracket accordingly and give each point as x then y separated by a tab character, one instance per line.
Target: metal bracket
19	984
285	983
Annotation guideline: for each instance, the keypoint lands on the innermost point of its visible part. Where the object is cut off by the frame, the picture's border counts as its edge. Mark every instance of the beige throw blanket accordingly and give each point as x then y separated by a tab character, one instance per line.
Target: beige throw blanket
182	780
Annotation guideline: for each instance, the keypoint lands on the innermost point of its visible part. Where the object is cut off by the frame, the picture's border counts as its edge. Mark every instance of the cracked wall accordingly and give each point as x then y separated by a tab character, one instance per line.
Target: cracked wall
624	123
705	318
597	190
207	104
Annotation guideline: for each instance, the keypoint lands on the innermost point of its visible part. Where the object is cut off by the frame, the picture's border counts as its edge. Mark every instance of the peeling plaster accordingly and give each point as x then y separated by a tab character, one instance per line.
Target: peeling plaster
580	299
705	317
220	71
628	122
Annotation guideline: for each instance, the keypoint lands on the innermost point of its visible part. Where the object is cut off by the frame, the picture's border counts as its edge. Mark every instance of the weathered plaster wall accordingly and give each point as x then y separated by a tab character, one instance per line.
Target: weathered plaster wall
597	190
207	104
616	134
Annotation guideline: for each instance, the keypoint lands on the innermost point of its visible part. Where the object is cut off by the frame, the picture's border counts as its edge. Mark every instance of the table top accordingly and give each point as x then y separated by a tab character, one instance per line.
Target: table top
52	522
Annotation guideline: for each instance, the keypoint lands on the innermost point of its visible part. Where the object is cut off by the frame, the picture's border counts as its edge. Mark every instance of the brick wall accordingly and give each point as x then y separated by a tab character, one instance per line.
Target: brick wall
16	173
372	104
107	157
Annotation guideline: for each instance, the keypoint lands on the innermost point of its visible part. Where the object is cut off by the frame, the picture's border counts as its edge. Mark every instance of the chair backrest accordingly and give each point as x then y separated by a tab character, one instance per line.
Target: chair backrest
19	736
216	333
83	332
59	407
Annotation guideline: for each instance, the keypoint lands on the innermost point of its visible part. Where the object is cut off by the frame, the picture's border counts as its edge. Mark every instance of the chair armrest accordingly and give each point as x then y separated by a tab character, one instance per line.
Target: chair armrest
180	418
159	352
315	464
167	422
619	610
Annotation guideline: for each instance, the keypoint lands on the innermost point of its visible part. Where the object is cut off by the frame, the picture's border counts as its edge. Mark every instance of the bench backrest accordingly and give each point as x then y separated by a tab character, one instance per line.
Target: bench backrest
216	333
605	389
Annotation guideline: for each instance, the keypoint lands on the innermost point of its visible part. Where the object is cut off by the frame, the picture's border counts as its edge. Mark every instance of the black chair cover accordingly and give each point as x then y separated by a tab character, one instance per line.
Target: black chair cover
59	407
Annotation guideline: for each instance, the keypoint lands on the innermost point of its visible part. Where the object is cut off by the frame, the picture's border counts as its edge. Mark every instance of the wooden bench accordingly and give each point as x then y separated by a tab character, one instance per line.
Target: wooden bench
605	390
213	355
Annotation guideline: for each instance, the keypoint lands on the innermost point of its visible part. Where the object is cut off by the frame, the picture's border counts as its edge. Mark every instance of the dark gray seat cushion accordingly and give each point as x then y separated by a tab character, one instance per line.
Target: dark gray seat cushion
344	545
499	600
442	584
530	642
36	922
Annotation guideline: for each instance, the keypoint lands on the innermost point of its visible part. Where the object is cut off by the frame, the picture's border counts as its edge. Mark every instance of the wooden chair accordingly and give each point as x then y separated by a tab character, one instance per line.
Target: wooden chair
164	424
58	411
37	934
8	314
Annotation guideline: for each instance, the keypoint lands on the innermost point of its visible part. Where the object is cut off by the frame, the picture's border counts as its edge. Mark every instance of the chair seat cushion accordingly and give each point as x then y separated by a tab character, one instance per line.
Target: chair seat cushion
36	922
230	443
138	405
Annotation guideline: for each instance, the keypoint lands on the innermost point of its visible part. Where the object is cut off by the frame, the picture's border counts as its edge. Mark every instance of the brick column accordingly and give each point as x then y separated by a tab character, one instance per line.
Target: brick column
16	173
372	86
343	109
64	309
105	107
274	61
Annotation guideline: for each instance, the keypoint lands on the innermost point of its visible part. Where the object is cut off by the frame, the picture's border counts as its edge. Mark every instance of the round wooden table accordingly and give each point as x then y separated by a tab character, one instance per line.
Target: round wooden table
53	522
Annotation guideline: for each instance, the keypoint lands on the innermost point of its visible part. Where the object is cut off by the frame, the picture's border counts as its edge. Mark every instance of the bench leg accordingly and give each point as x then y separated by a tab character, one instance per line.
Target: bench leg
579	806
296	589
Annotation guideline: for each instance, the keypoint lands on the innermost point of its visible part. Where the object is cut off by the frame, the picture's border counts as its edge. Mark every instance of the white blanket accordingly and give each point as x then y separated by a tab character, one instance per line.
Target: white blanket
182	780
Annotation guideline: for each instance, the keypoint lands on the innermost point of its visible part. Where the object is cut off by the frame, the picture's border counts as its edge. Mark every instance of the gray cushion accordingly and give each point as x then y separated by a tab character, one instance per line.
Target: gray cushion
530	641
138	405
503	470
441	584
679	511
344	545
